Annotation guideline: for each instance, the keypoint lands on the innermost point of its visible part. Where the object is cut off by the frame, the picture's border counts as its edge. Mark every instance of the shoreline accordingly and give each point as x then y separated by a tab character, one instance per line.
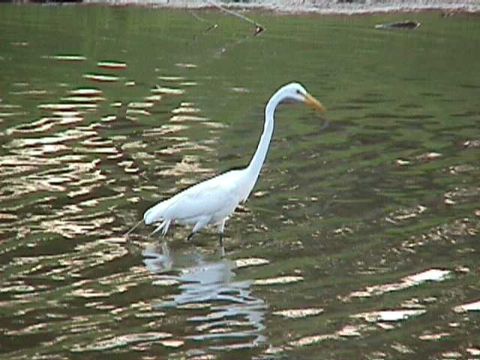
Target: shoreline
321	7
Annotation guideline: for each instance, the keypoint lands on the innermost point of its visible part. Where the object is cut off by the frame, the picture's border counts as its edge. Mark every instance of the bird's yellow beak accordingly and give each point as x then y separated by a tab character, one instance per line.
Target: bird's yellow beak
314	103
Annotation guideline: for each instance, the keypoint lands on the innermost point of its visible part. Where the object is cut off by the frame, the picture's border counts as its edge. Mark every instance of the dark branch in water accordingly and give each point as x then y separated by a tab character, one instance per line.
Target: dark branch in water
258	28
404	25
199	18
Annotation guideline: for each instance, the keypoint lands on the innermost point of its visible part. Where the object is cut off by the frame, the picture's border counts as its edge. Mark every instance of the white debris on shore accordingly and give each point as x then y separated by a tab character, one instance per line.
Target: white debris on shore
347	7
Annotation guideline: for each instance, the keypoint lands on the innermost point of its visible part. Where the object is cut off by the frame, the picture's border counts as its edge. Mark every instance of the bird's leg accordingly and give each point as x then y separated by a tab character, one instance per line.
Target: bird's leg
220	239
221	233
222	251
222	248
172	227
199	226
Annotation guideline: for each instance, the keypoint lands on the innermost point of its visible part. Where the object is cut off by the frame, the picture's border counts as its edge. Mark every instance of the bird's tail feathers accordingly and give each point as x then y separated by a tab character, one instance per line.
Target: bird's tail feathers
163	227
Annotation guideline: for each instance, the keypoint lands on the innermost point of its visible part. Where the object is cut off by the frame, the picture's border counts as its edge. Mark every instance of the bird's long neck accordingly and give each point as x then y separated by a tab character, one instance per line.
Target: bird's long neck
261	153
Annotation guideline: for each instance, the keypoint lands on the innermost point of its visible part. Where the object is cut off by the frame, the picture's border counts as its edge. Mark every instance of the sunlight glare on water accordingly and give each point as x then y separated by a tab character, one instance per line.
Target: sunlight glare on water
359	241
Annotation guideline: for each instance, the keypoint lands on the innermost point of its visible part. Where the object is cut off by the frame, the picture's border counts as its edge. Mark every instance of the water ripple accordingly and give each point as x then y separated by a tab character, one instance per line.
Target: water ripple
361	228
434	275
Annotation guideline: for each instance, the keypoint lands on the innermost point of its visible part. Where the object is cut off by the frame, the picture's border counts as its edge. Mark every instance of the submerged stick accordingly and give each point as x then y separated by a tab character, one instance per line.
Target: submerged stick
133	228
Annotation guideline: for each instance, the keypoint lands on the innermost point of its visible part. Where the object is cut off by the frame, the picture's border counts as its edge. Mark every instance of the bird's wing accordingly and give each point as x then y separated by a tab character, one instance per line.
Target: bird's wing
207	198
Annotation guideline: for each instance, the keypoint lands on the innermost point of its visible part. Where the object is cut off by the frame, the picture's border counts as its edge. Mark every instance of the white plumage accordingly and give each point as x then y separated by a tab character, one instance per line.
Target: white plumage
208	202
212	201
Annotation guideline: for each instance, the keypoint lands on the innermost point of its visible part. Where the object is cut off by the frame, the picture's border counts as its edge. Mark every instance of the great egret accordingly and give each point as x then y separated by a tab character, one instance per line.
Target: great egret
212	201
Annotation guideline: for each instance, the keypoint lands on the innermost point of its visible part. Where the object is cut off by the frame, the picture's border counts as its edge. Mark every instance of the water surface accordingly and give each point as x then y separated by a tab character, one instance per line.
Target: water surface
360	241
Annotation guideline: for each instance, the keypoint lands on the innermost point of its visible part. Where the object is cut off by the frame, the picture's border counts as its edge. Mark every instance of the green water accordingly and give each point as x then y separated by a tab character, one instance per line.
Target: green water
360	242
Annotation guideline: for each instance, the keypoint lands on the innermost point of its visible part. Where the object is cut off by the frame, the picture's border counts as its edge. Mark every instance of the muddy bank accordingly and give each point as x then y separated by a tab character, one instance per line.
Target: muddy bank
313	6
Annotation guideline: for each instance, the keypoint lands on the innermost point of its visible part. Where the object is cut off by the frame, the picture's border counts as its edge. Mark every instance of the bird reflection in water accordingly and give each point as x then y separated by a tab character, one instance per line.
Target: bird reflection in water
223	309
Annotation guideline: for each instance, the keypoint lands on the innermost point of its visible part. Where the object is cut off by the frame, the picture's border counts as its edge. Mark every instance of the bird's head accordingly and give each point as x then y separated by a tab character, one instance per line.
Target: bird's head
296	92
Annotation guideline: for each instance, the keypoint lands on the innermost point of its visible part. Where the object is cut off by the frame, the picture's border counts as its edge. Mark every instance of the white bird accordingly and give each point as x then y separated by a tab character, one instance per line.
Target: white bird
212	201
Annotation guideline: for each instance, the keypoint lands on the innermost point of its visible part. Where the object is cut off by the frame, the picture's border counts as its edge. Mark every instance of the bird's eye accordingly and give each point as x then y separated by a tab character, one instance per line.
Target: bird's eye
299	92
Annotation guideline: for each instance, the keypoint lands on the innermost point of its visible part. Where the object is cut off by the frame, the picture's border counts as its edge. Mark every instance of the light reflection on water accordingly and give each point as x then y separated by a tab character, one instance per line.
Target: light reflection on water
360	239
221	308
